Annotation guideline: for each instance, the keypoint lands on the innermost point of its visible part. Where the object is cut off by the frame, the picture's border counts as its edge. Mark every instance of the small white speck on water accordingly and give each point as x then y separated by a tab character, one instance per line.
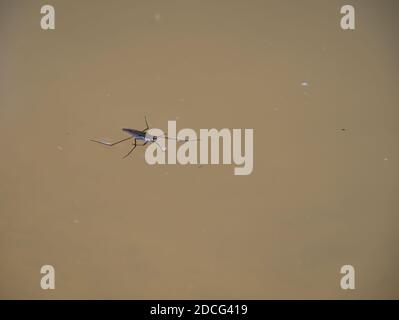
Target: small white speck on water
76	221
305	84
157	16
385	159
60	148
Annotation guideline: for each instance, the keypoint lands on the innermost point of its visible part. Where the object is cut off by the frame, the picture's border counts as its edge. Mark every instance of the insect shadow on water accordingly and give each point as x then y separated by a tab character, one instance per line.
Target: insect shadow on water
139	135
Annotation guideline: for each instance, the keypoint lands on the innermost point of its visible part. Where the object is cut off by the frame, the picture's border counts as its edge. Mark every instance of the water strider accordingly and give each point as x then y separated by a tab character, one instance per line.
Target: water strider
139	135
213	140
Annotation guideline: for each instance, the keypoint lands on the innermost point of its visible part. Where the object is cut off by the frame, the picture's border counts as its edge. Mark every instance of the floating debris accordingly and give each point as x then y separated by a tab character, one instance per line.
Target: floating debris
157	17
305	84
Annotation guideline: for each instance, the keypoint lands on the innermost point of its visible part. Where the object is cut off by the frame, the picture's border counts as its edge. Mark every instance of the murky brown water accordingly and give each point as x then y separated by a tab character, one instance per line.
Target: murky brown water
319	197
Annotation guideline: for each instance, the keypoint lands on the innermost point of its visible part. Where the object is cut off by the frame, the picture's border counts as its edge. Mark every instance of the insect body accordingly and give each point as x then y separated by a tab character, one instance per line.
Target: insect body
140	135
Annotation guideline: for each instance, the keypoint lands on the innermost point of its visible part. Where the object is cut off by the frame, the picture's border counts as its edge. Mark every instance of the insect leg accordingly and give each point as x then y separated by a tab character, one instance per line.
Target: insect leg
131	150
146	123
110	144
